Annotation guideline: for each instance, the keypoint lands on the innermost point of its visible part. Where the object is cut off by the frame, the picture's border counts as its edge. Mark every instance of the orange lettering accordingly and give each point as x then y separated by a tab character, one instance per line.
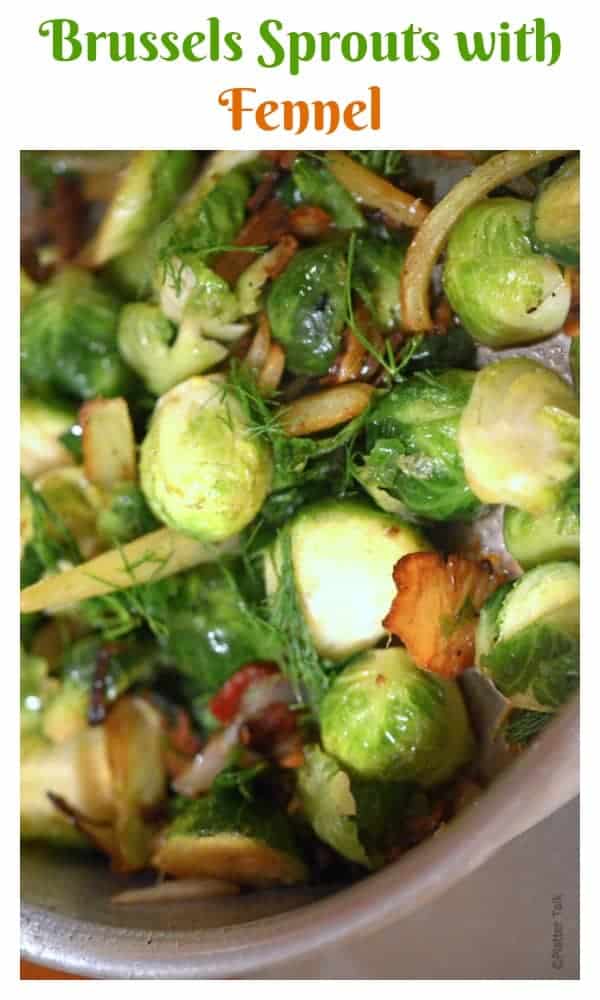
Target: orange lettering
234	104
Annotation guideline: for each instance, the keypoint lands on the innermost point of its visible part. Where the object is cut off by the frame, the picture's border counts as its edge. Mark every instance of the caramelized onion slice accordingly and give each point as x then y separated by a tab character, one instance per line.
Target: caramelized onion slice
322	410
399	207
170	892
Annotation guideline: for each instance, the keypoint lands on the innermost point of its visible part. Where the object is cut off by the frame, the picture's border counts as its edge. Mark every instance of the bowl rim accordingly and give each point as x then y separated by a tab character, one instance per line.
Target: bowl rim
544	778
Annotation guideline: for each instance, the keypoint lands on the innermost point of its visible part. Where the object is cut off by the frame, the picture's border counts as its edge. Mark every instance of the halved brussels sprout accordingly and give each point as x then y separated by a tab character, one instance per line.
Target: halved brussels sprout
555	214
354	817
152	182
547	537
223	835
385	719
159	353
504	292
307	308
519	435
75	501
412	446
201	470
42	425
329	804
343	554
528	637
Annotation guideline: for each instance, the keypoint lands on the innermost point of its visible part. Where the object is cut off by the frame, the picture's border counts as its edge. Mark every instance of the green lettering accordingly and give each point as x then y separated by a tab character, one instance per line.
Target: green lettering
63	31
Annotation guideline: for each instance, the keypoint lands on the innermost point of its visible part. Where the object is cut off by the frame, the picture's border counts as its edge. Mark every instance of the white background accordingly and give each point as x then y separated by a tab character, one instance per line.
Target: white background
443	104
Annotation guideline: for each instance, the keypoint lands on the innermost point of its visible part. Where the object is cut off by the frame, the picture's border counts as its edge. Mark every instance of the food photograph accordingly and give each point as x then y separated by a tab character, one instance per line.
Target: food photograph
299	448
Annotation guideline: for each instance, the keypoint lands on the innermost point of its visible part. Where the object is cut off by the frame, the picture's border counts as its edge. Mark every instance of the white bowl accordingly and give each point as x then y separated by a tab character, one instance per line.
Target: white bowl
69	923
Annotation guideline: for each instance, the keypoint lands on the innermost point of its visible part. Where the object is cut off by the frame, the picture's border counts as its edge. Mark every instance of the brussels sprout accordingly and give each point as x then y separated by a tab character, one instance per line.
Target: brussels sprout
202	472
386	720
43	422
206	627
160	354
191	293
131	273
58	522
68	339
317	185
435	351
355	818
555	214
307	308
343	554
546	537
76	503
211	216
223	835
376	268
76	770
528	637
150	187
126	515
327	799
45	539
574	362
519	435
412	450
504	293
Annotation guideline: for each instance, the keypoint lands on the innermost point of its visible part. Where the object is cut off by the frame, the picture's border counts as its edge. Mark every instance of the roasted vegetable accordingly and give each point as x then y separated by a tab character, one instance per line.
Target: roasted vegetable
154	556
413	453
519	435
125	515
554	535
99	787
343	554
68	339
434	612
354	817
376	268
386	720
161	354
307	308
504	292
528	637
69	506
317	186
148	190
43	422
201	470
226	836
108	443
555	214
